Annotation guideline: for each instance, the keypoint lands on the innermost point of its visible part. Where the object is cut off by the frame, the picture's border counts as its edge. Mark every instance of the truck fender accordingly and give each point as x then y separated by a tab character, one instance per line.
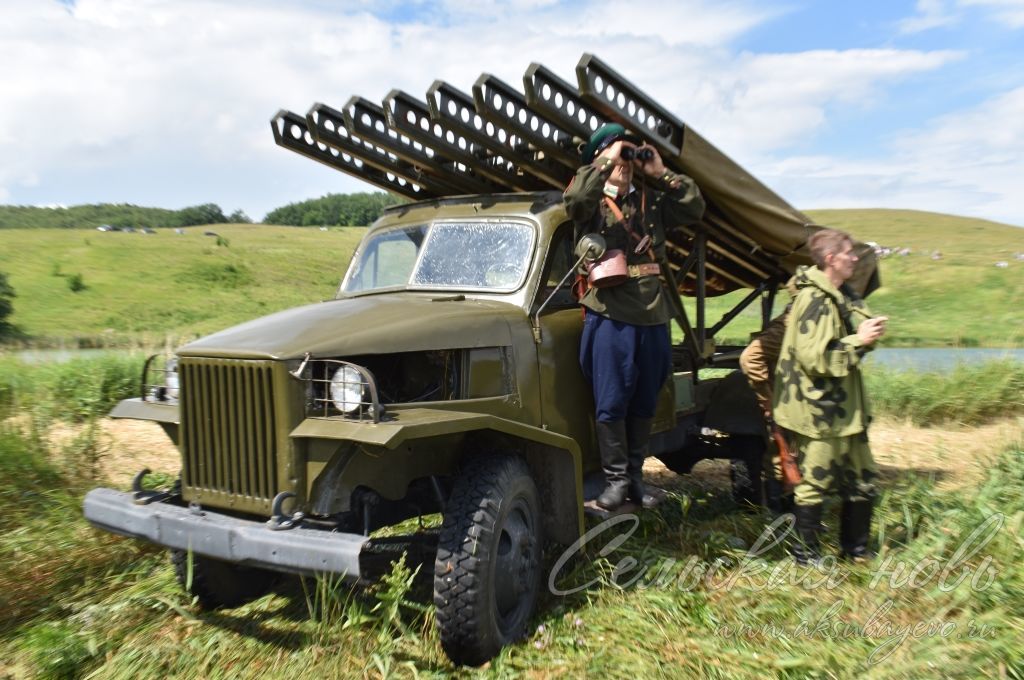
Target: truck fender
427	442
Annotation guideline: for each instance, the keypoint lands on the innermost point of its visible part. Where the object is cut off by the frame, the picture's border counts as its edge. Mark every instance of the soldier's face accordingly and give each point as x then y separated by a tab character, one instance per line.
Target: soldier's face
843	262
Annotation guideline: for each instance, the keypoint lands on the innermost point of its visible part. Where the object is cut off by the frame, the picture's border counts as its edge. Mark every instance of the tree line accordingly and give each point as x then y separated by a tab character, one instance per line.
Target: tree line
346	210
113	214
356	209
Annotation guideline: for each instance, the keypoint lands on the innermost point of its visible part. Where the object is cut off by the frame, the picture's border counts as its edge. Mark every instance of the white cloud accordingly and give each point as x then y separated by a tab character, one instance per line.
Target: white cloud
166	91
1005	12
761	103
930	14
966	163
158	96
694	23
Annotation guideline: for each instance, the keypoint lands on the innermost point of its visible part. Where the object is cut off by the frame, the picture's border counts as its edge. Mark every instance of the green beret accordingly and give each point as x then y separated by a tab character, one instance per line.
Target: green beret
605	136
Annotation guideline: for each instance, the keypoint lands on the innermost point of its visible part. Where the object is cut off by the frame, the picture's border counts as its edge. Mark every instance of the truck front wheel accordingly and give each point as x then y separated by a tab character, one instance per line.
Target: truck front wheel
488	566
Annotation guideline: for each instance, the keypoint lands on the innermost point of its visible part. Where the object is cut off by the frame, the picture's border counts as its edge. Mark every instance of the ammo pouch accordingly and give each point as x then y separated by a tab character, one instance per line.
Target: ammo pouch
607	271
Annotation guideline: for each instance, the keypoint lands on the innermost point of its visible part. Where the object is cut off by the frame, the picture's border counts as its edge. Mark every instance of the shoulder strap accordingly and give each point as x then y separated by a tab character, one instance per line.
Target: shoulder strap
613	206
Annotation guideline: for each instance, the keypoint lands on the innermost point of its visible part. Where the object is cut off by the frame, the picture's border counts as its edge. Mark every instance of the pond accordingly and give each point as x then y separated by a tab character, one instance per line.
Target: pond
939	359
41	356
930	359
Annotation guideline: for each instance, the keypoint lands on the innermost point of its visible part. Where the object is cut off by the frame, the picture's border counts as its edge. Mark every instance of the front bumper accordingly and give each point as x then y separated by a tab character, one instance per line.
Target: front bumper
298	550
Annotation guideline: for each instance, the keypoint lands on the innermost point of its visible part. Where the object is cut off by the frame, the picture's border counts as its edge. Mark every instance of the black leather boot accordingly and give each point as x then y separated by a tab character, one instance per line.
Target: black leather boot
855	530
639	436
611	440
776	497
808	526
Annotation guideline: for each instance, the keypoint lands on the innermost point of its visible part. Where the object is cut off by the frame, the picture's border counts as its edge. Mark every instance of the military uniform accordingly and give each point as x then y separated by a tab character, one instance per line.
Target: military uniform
759	358
819	397
640	300
758	361
625	350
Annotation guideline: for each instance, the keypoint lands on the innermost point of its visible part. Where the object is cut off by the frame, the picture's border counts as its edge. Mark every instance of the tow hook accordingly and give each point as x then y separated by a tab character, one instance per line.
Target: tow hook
142	496
280	521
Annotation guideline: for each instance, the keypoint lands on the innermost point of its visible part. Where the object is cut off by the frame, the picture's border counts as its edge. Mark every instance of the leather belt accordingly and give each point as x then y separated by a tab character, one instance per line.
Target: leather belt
637	271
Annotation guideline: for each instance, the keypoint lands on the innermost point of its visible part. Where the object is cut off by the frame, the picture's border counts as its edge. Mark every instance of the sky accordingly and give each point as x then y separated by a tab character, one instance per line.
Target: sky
870	104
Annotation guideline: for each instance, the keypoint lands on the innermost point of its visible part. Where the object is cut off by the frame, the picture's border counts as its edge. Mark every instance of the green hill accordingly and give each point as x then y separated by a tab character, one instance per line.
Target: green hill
961	299
144	287
141	288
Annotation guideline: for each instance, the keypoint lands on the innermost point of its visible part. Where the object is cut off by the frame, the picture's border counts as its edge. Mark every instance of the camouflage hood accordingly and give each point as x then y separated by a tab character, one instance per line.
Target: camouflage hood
812	276
844	296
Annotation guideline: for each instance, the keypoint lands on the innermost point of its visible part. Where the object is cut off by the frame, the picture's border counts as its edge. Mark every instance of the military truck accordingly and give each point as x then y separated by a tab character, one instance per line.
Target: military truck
443	377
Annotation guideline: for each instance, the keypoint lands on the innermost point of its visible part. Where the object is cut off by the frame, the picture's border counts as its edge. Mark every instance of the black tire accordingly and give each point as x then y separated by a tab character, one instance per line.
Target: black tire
488	567
221	584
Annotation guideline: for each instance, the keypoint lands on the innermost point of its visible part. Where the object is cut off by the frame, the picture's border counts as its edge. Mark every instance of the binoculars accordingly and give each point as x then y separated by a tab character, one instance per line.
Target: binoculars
629	153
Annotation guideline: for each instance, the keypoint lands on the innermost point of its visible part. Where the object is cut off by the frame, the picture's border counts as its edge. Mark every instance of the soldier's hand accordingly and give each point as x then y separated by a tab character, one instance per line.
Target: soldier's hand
871	330
614	153
654	167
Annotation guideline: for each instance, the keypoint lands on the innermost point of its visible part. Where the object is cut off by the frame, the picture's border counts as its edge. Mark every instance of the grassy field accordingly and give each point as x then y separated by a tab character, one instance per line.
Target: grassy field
81	603
141	289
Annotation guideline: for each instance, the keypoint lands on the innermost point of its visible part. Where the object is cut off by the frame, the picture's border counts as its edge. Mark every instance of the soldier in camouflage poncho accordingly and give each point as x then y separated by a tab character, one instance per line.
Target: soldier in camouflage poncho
819	396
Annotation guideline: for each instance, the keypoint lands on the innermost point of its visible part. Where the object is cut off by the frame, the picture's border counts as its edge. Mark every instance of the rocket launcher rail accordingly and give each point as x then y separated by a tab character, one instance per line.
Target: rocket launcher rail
509	149
498	103
327	127
291	132
367	120
412	117
500	140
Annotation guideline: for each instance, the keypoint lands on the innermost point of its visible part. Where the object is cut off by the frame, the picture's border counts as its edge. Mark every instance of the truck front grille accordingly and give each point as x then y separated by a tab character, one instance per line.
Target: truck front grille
229	432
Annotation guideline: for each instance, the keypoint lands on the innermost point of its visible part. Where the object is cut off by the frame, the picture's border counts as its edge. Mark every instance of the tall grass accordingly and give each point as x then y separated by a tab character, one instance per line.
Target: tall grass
75	390
969	394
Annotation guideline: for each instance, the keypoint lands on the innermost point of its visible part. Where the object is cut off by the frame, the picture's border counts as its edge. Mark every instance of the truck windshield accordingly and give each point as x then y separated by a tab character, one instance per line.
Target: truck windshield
491	256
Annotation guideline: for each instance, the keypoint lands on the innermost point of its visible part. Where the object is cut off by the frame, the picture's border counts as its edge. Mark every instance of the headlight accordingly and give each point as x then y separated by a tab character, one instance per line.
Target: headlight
171	379
347	389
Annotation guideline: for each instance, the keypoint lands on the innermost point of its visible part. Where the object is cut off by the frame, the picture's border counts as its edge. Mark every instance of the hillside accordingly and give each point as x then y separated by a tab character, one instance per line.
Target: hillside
960	299
974	300
145	287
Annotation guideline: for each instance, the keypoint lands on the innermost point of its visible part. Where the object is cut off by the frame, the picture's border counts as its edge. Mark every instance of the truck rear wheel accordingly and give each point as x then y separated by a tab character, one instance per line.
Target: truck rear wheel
488	566
220	584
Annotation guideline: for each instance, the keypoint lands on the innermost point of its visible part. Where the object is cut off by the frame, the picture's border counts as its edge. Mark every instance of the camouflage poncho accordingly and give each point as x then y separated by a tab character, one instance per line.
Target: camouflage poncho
818	388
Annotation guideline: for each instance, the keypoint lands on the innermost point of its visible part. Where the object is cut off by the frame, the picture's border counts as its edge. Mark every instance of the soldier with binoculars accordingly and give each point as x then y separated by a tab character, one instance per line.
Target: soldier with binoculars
625	351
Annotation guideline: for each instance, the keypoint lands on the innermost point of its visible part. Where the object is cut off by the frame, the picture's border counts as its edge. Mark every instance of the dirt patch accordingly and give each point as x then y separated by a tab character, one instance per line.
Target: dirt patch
137	444
954	456
125	447
707	476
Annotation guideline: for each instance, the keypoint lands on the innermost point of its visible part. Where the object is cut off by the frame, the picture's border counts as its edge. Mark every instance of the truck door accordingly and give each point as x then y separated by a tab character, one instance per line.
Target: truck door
567	403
